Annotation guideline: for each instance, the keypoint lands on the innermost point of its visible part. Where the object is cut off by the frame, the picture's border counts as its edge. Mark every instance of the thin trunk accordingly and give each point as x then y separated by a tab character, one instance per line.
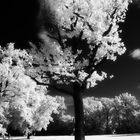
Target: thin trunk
79	113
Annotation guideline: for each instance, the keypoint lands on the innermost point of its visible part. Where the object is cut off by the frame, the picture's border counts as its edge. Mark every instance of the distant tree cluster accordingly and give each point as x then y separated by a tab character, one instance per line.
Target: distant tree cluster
112	115
120	114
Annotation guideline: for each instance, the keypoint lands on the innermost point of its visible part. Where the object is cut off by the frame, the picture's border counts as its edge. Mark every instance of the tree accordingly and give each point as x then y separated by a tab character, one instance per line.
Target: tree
99	114
107	113
26	105
93	114
126	108
62	124
76	37
3	120
62	121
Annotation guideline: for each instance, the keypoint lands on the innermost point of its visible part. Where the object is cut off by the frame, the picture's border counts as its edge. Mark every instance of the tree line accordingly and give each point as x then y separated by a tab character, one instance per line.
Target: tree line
118	115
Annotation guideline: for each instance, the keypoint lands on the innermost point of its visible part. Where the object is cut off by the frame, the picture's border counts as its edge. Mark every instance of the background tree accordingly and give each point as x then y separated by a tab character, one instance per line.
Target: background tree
3	120
126	109
99	115
107	113
93	115
62	123
26	105
76	38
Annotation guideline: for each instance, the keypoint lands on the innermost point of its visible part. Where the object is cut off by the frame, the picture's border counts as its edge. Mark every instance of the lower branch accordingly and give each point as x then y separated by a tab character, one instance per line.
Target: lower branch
51	86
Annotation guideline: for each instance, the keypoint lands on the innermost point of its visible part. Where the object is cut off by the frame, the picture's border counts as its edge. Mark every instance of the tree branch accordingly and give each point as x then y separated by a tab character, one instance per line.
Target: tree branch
108	30
90	26
51	86
91	60
78	15
110	27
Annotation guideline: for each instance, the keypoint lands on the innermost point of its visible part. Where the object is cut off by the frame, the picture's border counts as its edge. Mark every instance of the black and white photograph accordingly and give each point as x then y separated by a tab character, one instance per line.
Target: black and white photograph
69	69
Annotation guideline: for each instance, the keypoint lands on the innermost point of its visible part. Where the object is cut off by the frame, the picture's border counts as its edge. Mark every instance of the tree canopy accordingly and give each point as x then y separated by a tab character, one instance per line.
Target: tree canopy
108	115
24	104
82	35
76	37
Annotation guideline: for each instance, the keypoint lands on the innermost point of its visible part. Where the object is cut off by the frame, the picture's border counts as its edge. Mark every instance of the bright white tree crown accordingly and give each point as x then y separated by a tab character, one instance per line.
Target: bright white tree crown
83	34
23	103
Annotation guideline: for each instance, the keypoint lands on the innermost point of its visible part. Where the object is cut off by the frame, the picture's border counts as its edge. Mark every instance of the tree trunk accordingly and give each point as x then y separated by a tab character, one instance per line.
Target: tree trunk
107	123
28	136
79	113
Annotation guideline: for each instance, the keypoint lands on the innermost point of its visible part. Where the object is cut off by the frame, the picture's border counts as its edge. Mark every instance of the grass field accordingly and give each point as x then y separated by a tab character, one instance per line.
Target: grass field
98	137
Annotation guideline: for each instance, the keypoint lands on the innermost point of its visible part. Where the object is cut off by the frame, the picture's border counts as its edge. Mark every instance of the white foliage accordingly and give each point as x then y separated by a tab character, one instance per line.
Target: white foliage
24	102
83	26
95	77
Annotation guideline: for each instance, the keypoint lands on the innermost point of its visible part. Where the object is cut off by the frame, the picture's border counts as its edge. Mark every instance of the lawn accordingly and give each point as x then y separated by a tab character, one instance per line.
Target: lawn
97	137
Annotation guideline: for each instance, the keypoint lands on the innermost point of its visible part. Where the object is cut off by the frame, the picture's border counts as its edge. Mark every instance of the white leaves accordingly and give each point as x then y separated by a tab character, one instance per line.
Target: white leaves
82	75
64	63
92	105
126	106
95	77
112	112
126	99
2	130
42	115
27	102
82	26
35	108
16	57
109	49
